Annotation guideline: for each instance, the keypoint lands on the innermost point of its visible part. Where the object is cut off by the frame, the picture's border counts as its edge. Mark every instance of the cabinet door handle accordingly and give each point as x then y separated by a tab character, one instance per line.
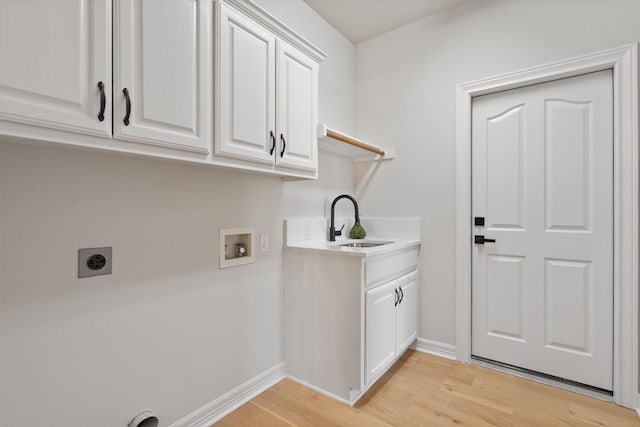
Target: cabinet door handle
127	99
401	295
103	101
397	297
273	143
284	144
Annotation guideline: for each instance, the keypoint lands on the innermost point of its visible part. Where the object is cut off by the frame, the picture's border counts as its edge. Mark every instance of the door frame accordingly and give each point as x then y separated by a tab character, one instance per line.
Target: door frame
624	63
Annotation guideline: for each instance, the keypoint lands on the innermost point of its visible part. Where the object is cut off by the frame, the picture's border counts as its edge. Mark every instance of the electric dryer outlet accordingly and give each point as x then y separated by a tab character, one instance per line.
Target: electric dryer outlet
94	262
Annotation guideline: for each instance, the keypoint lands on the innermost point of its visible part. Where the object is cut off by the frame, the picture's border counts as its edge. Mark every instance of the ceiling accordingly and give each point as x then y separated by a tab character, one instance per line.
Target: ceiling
360	20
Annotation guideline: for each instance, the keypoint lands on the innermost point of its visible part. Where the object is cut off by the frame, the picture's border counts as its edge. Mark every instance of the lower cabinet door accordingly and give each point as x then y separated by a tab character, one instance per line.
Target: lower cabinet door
407	313
380	329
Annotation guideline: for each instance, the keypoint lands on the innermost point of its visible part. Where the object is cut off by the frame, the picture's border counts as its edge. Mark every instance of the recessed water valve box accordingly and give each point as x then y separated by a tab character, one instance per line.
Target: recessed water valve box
237	246
94	262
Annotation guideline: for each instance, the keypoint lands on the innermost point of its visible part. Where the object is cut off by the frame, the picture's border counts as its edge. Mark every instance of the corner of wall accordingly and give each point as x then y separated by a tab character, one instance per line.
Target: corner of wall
435	348
222	406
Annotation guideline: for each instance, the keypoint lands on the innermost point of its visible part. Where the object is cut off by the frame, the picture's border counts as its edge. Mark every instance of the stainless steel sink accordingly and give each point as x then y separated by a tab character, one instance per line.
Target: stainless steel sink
364	244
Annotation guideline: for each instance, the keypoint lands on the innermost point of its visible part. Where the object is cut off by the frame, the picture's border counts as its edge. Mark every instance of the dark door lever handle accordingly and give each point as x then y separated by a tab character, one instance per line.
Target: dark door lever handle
481	240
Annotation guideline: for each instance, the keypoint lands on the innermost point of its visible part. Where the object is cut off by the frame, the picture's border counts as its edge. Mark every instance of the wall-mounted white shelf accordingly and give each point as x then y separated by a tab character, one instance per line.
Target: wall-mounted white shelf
346	145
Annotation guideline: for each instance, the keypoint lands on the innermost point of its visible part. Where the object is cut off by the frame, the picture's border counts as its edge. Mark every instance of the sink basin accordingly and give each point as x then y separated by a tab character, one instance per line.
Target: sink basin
365	244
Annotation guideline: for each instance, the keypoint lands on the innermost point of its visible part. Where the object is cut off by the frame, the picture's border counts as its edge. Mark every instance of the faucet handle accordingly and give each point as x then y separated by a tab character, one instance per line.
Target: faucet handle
339	232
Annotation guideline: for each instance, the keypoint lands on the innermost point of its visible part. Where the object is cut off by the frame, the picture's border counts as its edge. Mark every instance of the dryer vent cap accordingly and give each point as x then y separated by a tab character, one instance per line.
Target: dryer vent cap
144	419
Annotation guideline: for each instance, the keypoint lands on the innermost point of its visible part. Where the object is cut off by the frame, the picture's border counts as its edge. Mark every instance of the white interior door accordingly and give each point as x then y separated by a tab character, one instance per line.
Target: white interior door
247	89
542	296
164	73
297	109
53	70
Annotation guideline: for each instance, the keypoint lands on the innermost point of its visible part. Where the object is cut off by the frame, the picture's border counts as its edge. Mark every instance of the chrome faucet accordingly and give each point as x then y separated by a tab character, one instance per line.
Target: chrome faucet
332	229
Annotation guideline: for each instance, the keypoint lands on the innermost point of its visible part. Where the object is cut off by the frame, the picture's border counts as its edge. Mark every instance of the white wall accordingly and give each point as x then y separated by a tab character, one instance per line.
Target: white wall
405	97
167	330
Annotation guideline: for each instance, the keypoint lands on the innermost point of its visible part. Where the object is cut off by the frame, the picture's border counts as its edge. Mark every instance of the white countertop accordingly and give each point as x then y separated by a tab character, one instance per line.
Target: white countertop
324	246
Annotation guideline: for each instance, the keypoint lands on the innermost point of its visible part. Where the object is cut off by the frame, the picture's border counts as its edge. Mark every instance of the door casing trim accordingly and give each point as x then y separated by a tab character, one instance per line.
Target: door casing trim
623	61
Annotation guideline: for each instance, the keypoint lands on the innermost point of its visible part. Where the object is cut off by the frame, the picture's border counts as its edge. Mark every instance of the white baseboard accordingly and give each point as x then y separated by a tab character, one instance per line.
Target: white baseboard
232	400
436	348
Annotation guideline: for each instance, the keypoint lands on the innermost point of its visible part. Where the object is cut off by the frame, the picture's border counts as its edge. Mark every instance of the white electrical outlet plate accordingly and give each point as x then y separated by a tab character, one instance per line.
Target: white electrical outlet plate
264	243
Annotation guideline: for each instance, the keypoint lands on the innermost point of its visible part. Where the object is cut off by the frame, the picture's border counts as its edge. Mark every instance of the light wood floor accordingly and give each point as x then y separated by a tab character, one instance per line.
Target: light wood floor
424	390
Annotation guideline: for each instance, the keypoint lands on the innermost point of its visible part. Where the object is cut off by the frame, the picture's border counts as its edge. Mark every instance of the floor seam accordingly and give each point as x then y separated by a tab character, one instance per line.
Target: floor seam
274	414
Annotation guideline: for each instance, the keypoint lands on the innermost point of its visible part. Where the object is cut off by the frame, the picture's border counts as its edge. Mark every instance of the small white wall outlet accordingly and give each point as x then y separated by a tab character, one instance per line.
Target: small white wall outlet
264	243
306	233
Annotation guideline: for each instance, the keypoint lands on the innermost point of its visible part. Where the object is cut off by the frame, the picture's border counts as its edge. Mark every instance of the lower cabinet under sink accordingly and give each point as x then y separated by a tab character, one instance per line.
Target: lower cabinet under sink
348	318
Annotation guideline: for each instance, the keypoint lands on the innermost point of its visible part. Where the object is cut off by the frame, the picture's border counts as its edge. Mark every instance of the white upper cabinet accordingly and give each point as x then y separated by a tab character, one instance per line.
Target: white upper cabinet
55	64
156	77
247	89
297	108
267	85
160	73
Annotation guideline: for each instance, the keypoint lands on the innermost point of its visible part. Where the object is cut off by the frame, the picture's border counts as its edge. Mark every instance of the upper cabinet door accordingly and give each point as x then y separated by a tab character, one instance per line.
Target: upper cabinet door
297	109
246	56
160	59
54	70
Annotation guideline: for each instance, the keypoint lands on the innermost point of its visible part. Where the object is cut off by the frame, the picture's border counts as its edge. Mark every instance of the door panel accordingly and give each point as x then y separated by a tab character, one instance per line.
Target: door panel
50	70
164	71
297	109
380	330
407	311
543	178
505	168
568	306
568	148
247	90
505	296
